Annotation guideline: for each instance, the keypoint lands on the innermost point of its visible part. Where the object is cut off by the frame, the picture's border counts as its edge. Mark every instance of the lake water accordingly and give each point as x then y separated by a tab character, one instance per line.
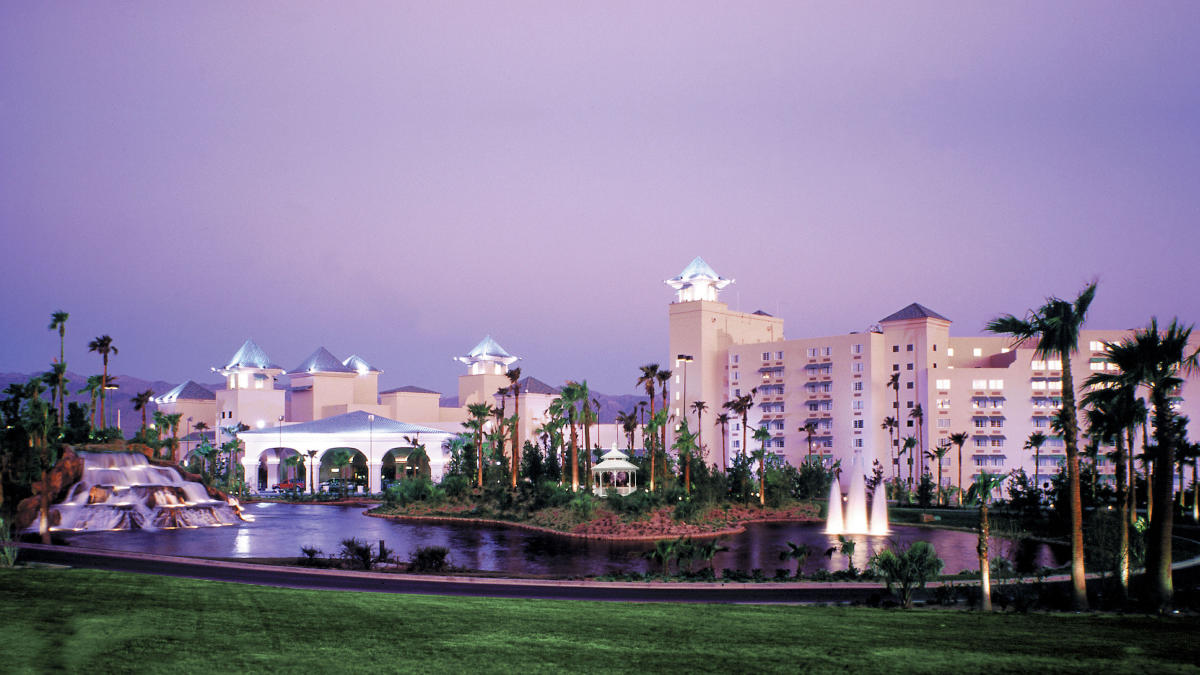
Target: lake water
280	530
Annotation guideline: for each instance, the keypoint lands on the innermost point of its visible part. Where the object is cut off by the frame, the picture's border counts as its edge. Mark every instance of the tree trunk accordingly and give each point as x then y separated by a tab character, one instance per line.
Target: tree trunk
44	508
1158	541
960	490
516	457
574	459
1123	528
1071	432
985	567
650	446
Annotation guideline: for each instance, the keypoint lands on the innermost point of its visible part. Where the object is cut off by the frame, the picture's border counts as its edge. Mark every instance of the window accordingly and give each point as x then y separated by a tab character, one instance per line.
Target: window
766	356
950	351
908	348
981	442
979	384
857	404
908	404
908	366
1037	365
856	367
997	403
995	384
997	443
828	443
895	349
943	404
858	385
1056	385
943	384
735	358
1096	346
812	406
858	424
856	349
812	352
895	366
778	356
735	376
1054	365
997	423
977	351
1038	385
943	423
1040	423
981	423
826	351
1097	365
858	442
935	348
910	424
737	443
908	385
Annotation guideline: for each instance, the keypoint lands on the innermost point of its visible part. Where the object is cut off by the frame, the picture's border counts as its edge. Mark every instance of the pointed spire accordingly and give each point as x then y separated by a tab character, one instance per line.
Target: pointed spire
697	281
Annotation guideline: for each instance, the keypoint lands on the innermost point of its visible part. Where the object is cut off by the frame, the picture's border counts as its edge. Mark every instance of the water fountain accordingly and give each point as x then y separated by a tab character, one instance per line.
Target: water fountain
854	519
123	491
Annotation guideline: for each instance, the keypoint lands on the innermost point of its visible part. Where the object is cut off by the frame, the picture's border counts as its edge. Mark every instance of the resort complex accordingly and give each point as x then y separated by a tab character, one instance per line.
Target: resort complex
892	396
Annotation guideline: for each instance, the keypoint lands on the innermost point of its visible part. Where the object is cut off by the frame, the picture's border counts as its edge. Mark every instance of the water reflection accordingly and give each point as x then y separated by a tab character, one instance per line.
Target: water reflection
280	530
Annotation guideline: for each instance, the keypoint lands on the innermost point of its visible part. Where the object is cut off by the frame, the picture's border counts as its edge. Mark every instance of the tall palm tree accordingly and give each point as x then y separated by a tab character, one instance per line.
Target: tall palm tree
894	383
514	385
1036	440
103	346
958	440
810	429
1155	359
649	380
1055	328
723	422
891	425
699	407
629	425
685	445
585	420
141	402
981	493
478	414
571	394
58	321
762	435
173	423
664	377
939	453
917	415
741	406
1109	415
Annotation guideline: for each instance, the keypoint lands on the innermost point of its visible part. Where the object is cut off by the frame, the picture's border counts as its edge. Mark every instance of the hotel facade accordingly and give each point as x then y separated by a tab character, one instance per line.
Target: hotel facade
985	386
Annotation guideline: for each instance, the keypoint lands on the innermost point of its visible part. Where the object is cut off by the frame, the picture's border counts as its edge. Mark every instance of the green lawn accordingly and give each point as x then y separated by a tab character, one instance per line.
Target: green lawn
101	622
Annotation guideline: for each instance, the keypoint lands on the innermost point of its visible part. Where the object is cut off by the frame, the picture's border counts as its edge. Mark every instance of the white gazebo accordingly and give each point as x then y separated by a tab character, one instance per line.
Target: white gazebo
614	463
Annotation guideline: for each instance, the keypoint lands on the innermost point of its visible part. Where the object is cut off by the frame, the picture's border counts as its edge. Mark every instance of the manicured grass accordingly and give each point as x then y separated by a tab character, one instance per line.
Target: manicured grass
95	621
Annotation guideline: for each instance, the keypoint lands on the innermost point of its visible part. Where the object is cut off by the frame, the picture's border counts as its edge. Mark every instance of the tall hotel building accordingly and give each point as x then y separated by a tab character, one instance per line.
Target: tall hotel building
998	395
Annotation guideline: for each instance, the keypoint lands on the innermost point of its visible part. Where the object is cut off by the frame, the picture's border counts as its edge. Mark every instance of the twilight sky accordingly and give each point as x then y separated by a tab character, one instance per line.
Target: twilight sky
398	179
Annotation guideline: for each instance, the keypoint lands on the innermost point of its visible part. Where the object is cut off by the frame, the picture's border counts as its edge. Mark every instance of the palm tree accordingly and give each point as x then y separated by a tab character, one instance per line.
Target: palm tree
797	552
981	493
514	380
917	414
762	435
939	453
585	420
910	443
571	394
141	401
95	384
685	445
1110	414
894	383
1036	440
699	407
741	406
58	321
478	414
809	429
649	379
56	379
342	457
1155	359
958	440
103	346
173	423
723	422
200	428
1055	327
664	376
629	425
891	425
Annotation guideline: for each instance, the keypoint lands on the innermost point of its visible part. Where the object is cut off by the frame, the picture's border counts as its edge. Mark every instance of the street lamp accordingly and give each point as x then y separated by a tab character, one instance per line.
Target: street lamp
278	450
370	448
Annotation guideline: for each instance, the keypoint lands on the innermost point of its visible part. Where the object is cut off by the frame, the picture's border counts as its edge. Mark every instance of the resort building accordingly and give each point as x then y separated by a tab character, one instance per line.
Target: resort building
829	396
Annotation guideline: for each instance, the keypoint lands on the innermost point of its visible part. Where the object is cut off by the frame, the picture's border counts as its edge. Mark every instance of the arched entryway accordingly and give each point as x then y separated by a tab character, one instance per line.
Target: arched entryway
343	469
279	465
404	462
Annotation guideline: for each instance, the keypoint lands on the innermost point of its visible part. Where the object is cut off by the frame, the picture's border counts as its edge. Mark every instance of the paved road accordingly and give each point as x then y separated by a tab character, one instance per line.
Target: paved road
297	577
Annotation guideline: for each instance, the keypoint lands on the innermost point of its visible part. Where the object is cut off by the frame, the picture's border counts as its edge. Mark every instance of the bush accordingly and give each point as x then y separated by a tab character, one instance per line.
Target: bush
429	559
310	554
583	505
635	504
455	486
687	509
8	554
355	551
410	490
907	568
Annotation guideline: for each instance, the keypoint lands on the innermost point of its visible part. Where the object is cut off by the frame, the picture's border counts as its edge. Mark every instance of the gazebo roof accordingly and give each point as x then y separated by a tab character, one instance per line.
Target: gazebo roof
614	465
614	454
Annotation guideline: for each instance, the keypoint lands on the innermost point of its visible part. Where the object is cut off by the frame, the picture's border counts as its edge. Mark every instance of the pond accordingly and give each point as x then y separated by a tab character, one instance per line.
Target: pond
280	530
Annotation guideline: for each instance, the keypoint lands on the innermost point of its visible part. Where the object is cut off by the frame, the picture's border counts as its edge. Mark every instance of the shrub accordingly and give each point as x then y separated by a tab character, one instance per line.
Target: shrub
355	551
907	568
409	490
687	509
429	559
583	505
8	554
455	486
310	553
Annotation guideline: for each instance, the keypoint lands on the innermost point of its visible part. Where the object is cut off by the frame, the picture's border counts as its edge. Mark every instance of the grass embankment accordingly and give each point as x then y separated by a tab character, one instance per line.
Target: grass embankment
600	521
97	621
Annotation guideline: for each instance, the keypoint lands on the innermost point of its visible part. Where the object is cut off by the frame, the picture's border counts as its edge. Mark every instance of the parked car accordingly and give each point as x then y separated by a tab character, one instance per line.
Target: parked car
290	485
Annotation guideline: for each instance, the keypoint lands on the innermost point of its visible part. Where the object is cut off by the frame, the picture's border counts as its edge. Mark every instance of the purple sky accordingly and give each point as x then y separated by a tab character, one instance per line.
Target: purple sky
398	180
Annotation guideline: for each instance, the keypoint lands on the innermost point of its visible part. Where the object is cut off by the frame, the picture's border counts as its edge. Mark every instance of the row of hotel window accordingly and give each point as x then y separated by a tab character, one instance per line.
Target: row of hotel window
1035	364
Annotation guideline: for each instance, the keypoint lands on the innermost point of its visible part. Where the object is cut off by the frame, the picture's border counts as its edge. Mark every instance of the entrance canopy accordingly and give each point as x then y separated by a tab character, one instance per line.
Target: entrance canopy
372	435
